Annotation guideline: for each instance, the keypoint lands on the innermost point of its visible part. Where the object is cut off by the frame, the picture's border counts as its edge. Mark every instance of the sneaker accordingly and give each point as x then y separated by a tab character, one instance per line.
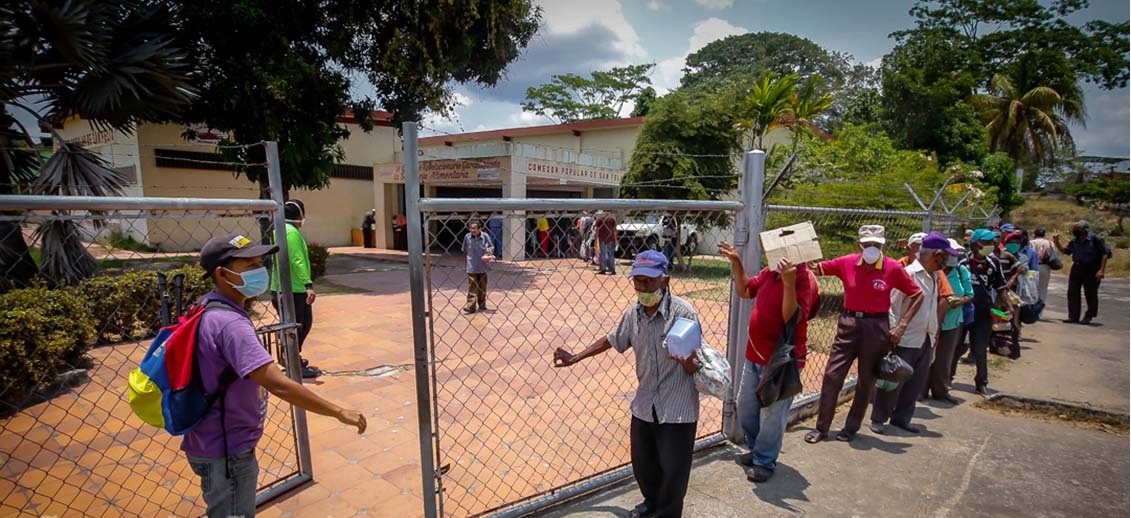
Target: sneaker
483	307
967	360
746	459
907	427
469	310
982	391
310	373
1086	320
759	474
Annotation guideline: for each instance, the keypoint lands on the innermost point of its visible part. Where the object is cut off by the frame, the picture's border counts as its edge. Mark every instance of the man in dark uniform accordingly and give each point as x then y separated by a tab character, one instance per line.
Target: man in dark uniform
1089	263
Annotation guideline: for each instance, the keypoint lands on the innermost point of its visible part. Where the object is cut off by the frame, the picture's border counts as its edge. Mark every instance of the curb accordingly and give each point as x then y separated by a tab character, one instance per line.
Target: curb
1054	404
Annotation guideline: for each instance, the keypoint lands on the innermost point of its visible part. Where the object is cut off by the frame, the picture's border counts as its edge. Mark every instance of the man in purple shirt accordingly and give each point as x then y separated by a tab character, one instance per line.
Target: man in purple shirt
221	449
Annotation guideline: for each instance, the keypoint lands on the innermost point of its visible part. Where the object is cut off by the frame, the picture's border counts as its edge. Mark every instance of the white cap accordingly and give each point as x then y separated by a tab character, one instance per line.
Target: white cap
956	245
916	238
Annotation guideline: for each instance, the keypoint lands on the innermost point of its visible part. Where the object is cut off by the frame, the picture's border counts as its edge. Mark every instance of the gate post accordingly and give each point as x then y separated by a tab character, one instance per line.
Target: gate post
419	317
748	223
287	306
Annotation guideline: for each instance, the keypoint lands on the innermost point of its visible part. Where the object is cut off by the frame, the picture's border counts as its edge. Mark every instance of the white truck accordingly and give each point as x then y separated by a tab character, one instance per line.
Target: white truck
634	237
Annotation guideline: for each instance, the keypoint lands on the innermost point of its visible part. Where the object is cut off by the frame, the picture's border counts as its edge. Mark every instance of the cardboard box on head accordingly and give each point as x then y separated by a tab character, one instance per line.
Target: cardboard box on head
798	243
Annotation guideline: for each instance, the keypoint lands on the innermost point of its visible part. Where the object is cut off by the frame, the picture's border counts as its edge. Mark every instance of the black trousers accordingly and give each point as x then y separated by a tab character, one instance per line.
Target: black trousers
1083	276
304	315
661	463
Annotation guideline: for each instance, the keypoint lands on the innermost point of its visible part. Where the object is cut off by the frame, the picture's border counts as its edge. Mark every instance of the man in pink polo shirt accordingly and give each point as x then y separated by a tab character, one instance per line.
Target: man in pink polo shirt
863	330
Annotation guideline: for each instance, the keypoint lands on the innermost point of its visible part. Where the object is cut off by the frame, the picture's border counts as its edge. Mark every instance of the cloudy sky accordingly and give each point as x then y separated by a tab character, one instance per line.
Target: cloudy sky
583	35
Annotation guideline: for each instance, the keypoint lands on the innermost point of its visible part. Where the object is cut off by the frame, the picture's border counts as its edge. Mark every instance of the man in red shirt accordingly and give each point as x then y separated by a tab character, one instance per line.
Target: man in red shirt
863	330
784	300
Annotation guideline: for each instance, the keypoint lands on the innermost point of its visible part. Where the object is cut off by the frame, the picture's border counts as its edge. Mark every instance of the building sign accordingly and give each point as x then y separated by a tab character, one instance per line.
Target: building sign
202	134
93	138
580	173
445	171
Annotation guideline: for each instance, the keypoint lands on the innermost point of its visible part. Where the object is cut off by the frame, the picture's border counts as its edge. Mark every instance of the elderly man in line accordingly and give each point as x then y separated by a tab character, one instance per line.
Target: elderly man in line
863	331
665	409
917	344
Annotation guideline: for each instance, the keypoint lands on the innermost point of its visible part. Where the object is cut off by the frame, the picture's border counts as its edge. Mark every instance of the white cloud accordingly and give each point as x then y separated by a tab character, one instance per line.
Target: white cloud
574	15
657	5
876	63
716	5
1108	113
669	71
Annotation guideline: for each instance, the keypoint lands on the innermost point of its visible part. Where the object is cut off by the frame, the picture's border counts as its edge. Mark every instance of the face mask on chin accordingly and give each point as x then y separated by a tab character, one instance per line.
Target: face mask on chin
871	255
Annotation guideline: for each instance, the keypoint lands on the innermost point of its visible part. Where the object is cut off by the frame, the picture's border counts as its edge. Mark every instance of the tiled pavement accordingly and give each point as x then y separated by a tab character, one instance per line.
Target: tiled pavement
488	361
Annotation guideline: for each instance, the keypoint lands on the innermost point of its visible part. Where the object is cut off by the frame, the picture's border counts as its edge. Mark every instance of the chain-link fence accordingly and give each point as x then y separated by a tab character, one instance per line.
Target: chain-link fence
838	232
83	289
509	426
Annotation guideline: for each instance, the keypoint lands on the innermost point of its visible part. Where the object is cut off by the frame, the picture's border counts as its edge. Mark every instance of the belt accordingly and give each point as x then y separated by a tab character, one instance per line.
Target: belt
861	314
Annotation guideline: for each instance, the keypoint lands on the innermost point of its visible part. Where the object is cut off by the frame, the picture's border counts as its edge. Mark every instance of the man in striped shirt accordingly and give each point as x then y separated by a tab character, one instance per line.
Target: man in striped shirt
666	407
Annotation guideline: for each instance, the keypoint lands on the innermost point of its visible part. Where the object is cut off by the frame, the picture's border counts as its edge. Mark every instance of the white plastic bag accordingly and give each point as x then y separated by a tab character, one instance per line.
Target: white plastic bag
1027	289
713	378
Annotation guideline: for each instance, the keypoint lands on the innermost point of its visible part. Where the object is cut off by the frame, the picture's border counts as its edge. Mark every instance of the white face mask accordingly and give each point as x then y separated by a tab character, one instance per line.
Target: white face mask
871	255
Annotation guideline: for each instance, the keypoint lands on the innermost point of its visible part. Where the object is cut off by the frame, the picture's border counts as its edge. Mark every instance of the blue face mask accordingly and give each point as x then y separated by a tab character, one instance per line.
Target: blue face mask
255	282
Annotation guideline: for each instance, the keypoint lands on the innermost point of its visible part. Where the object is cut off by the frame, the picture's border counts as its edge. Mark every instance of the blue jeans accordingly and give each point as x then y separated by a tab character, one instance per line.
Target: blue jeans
764	426
226	496
608	258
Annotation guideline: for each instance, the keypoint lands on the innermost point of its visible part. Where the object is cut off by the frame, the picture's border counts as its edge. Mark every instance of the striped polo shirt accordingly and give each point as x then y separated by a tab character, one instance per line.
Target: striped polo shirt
663	384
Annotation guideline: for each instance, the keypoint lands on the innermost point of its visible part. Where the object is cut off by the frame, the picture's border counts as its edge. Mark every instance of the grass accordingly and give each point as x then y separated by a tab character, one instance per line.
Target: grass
113	264
1057	216
118	240
1073	415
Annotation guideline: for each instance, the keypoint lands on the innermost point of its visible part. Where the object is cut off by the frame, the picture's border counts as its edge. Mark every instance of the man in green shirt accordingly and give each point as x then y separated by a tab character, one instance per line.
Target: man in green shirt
302	286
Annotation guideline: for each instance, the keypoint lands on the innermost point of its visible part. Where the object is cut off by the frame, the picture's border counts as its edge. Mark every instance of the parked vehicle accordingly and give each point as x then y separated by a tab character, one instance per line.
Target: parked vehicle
635	237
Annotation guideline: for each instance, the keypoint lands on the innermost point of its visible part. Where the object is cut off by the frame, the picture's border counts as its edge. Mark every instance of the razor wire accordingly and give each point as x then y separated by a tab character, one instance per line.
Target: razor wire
82	293
509	426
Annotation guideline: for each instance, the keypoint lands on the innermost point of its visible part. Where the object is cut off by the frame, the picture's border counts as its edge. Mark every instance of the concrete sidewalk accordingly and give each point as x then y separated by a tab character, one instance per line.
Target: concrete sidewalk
970	461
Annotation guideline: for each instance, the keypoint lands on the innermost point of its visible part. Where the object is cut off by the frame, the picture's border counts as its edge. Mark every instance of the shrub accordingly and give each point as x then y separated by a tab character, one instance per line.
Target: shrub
43	332
318	257
125	305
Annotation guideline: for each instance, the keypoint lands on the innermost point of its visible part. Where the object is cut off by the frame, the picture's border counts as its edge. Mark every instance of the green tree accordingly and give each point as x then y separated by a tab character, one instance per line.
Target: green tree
283	70
767	105
1028	125
644	102
733	60
926	83
115	63
686	149
999	175
805	106
998	31
602	95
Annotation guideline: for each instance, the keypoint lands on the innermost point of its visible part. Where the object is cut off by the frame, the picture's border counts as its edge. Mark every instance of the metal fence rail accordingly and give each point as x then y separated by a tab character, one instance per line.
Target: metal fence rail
68	441
69	444
511	431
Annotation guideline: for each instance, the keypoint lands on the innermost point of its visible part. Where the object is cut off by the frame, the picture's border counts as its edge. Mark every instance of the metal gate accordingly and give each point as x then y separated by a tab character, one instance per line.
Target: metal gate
69	444
503	431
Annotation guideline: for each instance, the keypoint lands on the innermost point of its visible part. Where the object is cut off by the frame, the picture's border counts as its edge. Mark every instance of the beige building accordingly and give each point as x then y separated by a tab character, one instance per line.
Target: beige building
159	162
574	160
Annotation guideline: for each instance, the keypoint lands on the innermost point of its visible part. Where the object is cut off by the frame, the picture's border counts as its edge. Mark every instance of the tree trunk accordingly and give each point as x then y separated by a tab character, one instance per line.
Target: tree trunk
17	268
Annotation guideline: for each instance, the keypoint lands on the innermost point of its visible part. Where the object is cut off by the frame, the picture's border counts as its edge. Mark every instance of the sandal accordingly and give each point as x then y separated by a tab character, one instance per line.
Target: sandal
815	437
845	436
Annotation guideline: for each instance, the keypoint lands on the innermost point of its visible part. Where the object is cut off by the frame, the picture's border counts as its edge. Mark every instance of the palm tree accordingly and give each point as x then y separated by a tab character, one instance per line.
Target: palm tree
114	62
806	104
1028	122
766	106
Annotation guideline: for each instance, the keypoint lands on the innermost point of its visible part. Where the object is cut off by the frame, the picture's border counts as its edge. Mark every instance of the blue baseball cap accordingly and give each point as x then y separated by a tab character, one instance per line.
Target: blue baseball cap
649	263
937	241
1008	227
982	234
